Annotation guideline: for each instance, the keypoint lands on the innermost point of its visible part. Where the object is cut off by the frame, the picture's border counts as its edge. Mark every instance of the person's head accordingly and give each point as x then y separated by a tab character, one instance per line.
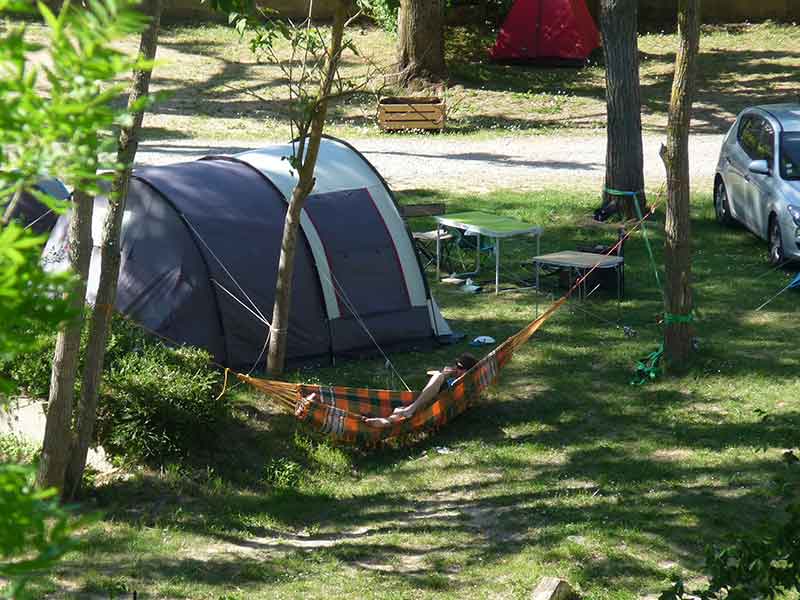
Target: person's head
463	363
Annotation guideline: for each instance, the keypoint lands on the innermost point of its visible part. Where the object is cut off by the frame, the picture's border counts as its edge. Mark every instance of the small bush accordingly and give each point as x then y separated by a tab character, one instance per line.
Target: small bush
14	449
384	12
31	370
283	473
156	402
159	402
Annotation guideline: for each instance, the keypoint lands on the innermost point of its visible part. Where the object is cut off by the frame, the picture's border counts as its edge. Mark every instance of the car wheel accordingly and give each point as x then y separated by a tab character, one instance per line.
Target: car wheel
721	206
776	255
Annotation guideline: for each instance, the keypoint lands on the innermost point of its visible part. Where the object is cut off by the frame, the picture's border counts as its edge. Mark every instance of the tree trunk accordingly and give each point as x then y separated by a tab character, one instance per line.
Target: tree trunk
100	319
677	245
624	161
276	357
420	39
10	208
58	429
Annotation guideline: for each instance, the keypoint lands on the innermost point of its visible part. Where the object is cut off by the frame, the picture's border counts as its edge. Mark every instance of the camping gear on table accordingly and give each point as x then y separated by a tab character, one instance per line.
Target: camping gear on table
200	248
547	31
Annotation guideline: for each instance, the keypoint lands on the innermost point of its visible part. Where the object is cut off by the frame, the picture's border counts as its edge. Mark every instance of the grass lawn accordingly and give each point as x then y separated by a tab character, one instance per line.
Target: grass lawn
563	469
217	91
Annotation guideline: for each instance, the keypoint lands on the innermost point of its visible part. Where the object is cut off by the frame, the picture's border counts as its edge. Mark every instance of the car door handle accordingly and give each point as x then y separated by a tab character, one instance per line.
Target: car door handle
747	178
728	160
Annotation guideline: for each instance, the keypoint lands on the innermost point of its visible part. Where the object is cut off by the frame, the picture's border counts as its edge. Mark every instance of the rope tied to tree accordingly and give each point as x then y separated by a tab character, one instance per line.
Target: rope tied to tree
648	368
224	385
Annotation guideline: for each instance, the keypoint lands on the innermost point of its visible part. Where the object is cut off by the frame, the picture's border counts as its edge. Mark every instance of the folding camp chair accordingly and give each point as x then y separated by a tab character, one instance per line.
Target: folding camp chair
465	250
425	241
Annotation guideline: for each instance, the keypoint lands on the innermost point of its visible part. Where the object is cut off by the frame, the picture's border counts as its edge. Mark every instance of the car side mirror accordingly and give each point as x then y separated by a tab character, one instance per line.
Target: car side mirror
759	167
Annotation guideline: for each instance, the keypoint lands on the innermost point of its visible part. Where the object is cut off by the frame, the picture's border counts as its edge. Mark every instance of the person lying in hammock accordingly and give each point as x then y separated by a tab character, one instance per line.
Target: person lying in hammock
439	380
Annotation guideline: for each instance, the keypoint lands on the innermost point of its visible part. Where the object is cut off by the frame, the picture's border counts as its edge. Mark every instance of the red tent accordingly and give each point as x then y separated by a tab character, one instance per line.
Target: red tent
546	30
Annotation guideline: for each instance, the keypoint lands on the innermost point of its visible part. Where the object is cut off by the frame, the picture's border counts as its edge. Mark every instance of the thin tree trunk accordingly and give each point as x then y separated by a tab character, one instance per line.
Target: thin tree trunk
58	429
677	245
276	357
624	160
420	38
8	214
100	318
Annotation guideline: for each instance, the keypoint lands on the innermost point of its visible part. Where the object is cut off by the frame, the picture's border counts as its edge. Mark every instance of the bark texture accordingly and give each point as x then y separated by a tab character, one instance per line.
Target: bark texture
677	245
10	208
100	318
420	39
624	160
58	430
308	150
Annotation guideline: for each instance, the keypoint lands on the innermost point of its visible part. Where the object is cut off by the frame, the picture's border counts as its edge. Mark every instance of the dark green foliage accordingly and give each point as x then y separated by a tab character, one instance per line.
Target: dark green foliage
35	530
159	402
61	132
26	294
384	12
283	473
156	402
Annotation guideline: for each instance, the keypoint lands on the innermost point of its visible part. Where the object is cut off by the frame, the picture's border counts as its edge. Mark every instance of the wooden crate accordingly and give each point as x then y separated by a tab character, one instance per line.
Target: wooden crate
411	113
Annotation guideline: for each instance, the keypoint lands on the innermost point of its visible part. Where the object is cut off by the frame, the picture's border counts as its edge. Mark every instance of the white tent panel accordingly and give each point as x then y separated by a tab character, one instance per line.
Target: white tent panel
338	168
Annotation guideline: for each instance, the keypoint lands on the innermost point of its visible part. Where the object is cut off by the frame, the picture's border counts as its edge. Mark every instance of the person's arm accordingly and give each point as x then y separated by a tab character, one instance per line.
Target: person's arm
427	394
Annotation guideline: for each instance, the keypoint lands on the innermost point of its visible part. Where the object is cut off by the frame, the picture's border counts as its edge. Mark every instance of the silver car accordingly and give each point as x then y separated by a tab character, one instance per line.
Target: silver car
758	177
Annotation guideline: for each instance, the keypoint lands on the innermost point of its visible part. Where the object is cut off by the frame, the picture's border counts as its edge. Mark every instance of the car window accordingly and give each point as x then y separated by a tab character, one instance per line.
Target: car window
757	138
747	135
766	146
790	156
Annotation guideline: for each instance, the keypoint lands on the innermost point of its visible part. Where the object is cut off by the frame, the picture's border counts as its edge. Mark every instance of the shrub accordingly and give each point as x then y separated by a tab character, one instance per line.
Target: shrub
763	564
35	530
30	371
283	474
159	402
384	12
15	449
156	402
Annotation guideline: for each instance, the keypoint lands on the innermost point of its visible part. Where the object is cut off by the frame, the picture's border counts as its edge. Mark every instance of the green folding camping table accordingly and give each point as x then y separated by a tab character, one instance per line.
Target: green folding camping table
493	226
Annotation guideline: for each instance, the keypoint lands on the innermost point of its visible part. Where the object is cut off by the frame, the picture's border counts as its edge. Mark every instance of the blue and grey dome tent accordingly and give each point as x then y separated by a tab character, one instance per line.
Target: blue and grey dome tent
33	214
200	248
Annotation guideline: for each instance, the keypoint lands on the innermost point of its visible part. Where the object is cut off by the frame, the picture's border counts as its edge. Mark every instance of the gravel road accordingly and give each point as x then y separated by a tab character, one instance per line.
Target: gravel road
446	163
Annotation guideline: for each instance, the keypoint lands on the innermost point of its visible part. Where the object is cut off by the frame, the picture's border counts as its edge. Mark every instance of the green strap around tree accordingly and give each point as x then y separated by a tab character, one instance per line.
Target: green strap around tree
670	319
648	368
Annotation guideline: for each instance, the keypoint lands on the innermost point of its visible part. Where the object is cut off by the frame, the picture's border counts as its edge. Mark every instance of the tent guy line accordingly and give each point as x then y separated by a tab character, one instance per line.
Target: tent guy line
337	287
227	271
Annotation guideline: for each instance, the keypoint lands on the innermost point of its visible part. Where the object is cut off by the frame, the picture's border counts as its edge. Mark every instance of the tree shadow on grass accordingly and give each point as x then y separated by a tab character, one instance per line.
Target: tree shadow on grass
562	463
